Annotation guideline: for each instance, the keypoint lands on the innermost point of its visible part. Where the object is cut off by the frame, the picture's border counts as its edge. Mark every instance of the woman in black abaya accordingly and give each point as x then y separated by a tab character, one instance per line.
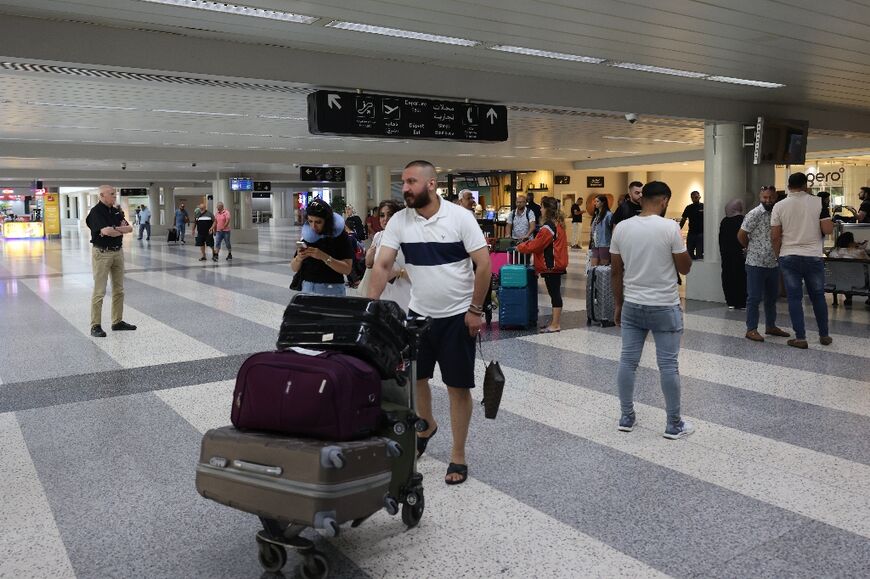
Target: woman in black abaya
733	257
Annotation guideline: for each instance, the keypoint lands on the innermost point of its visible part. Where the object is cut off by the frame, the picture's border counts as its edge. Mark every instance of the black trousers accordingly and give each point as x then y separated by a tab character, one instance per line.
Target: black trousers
695	245
554	288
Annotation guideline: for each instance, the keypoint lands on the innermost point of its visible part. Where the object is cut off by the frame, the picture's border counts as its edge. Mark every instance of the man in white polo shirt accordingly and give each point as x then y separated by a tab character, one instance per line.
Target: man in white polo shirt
440	241
797	231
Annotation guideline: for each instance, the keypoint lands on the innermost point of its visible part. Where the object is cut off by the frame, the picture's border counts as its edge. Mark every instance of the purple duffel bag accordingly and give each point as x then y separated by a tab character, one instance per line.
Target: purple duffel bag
330	396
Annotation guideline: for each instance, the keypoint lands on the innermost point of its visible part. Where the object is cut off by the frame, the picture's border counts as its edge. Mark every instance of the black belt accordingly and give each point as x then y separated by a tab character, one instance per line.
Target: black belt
105	249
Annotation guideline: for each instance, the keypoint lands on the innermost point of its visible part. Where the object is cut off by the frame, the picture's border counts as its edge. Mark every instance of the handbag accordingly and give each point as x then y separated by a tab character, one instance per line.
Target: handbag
493	384
296	282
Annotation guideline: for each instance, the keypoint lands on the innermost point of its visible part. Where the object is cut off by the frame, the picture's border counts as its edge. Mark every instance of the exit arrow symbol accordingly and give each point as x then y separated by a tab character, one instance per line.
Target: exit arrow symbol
333	100
492	116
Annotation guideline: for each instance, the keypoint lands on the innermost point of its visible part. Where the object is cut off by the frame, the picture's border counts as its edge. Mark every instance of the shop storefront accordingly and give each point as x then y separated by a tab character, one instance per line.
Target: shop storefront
23	213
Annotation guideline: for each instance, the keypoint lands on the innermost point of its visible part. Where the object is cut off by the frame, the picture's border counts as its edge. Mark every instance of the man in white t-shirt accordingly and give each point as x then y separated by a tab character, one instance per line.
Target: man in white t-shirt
440	241
521	221
644	252
797	232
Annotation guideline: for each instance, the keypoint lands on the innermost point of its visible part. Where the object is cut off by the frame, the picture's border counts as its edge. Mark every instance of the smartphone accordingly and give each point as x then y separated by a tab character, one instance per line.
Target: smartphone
300	245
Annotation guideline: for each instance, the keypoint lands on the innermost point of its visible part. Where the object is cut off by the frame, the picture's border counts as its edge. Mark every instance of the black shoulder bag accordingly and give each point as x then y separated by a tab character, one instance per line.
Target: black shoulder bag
493	384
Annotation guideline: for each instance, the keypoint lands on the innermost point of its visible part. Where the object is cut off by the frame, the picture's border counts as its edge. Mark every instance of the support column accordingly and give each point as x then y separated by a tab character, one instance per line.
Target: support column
245	232
83	207
167	195
356	189
381	183
221	193
157	211
724	179
279	209
641	176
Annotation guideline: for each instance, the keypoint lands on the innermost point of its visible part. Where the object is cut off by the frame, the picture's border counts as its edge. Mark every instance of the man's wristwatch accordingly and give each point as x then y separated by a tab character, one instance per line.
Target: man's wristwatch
328	260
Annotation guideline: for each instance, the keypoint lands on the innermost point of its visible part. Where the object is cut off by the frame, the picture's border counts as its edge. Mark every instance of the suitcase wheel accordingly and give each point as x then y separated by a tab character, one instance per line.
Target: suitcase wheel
391	505
314	565
332	457
394	450
271	556
412	510
421	425
329	527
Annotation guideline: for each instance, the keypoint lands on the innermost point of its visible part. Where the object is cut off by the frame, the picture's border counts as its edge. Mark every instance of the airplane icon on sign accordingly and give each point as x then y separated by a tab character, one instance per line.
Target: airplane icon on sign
392	111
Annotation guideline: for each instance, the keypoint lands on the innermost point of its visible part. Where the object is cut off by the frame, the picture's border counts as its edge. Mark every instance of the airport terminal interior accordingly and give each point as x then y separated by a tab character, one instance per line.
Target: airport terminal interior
266	105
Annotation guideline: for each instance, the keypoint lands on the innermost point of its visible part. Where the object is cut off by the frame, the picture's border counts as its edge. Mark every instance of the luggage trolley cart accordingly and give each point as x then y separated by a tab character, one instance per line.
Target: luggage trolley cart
400	424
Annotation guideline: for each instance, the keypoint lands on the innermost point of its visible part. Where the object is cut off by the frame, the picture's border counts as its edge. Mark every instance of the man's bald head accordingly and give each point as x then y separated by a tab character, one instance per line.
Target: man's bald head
107	195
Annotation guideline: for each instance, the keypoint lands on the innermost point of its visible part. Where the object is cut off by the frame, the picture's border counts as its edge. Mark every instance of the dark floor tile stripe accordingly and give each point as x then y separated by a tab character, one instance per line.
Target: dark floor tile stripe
806	425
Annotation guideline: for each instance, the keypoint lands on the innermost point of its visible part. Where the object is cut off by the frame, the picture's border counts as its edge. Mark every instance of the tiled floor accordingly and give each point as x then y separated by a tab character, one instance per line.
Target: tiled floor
99	439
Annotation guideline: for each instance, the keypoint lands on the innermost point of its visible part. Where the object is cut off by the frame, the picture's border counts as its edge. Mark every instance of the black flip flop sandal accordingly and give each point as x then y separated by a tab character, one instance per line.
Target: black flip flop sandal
460	469
423	442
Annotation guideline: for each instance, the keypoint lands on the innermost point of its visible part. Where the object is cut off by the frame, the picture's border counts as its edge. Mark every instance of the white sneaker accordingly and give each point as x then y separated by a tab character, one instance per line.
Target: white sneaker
678	430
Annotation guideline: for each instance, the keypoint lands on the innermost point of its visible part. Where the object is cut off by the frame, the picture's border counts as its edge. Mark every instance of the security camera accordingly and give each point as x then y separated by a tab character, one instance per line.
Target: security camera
193	164
631	118
123	166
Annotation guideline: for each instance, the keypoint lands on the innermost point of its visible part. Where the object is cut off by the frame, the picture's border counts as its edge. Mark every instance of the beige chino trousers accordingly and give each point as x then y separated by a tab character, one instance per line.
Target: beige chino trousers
104	264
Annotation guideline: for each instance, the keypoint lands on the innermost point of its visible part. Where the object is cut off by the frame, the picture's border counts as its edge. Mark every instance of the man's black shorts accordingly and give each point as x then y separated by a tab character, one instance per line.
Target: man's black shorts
209	240
448	344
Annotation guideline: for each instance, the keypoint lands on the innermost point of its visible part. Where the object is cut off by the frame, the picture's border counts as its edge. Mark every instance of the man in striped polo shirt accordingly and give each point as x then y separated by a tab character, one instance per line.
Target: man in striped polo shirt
440	241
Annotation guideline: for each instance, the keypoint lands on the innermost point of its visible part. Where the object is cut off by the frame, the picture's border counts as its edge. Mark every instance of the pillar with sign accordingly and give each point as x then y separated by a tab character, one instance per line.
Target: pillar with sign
51	212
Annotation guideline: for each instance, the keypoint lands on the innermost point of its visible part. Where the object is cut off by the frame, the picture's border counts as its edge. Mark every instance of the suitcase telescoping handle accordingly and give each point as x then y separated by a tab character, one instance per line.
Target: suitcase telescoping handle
258	468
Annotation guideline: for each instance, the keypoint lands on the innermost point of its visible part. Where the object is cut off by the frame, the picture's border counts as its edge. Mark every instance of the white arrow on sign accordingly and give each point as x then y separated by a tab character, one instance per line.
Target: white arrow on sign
333	100
492	116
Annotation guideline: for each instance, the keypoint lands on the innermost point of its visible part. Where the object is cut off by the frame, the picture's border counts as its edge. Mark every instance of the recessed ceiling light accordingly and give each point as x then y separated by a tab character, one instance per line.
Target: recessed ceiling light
238	10
399	33
657	69
626	152
743	81
546	54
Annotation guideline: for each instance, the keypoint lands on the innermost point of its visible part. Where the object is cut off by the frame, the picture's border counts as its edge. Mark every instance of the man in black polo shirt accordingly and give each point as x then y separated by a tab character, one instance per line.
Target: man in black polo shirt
630	207
107	225
694	212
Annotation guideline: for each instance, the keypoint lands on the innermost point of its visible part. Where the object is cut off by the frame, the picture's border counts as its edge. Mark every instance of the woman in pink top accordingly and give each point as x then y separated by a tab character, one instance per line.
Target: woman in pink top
223	218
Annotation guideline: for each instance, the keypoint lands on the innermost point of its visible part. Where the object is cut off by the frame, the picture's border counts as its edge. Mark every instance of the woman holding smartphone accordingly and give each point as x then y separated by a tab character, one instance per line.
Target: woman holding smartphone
399	287
324	263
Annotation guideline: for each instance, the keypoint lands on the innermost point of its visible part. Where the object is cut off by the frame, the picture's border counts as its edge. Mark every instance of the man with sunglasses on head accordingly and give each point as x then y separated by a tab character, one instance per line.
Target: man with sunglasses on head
762	269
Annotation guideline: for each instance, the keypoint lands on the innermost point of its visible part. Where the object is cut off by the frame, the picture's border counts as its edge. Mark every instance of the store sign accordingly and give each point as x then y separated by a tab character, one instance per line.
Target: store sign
352	114
51	214
134	192
829	177
595	182
328	174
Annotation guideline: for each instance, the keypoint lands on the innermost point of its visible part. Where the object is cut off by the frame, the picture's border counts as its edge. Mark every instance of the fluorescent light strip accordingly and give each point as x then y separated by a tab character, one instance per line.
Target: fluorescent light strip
282	118
646	139
657	69
546	54
100	107
743	81
238	10
205	113
399	33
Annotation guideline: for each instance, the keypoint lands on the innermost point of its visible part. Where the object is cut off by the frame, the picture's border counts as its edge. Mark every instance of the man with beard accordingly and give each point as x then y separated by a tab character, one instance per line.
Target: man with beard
440	241
762	269
630	207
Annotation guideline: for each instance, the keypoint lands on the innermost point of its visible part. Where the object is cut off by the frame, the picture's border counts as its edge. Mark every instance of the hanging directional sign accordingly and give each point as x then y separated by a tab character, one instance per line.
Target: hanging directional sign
328	174
353	114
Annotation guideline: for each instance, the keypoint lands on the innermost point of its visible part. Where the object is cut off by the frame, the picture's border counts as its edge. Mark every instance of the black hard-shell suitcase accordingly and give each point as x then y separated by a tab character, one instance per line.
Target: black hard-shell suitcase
172	236
373	330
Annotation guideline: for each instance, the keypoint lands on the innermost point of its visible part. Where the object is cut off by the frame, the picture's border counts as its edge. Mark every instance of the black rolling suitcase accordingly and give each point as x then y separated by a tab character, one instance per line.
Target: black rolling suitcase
172	236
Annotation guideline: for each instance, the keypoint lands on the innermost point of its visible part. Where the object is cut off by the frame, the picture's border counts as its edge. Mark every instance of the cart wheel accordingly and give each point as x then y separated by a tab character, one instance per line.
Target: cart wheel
272	557
411	514
314	566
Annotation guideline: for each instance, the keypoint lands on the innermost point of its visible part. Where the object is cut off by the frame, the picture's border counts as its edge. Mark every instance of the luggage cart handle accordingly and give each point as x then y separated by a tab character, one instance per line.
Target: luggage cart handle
258	468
